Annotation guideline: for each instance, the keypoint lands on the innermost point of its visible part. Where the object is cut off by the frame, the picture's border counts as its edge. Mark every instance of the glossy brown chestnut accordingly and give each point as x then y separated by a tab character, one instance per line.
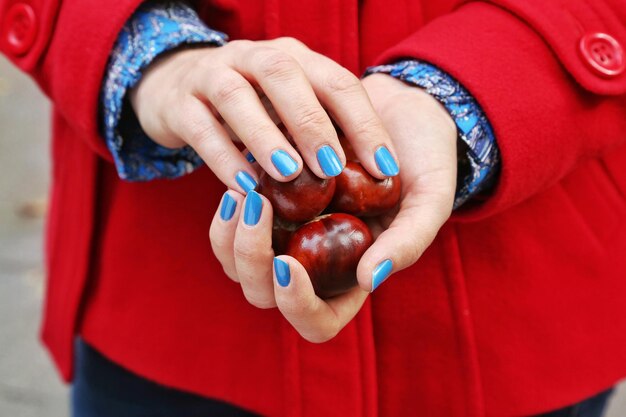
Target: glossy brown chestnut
299	200
282	230
358	193
330	248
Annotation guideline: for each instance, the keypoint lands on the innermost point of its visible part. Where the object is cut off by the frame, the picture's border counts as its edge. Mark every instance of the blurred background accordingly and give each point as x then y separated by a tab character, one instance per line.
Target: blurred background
29	386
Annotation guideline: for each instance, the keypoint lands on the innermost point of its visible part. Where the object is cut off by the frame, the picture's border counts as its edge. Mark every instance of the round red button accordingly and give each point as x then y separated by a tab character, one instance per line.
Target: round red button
19	29
603	53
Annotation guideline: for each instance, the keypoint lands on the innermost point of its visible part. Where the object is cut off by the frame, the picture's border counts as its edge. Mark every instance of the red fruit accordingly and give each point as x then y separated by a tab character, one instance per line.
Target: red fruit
330	248
299	200
281	234
358	193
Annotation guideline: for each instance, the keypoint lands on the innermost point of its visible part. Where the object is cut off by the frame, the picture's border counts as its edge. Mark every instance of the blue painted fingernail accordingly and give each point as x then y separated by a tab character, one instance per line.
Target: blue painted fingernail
252	210
381	273
250	158
329	161
386	163
284	163
281	268
228	207
245	181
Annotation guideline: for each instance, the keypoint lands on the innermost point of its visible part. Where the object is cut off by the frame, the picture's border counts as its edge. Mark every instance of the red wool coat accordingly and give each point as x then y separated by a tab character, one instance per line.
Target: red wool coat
518	306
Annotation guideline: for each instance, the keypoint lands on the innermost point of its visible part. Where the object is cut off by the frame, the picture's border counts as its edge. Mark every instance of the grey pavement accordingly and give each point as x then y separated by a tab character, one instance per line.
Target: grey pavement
29	386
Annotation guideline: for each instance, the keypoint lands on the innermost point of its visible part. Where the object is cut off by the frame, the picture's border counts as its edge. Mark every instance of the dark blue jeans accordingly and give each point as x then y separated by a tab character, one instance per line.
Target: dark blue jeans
104	389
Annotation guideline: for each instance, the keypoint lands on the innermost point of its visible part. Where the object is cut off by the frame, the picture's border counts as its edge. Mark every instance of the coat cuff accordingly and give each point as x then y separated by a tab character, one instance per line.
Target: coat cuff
526	93
153	29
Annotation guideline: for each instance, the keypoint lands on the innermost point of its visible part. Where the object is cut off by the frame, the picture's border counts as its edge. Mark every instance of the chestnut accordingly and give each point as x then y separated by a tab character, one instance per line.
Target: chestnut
299	200
358	193
330	247
281	234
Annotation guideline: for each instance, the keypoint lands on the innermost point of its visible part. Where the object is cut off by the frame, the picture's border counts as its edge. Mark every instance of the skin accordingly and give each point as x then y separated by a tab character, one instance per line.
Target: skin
186	99
210	97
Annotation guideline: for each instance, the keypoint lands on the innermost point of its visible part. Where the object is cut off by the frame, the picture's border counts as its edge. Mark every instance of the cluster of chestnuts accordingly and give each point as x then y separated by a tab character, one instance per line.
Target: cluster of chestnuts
317	221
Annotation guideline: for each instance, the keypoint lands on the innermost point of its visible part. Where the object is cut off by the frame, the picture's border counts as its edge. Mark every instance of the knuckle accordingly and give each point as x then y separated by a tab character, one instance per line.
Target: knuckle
263	302
343	82
321	336
245	254
367	127
257	135
310	118
275	64
291	42
220	158
228	89
199	135
239	44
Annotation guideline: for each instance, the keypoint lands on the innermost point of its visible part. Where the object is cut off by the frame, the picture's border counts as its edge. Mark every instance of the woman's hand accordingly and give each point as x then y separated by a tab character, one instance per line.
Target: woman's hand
208	97
425	137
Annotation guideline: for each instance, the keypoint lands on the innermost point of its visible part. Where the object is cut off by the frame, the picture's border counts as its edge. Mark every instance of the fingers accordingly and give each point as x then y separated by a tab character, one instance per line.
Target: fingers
194	123
222	232
238	103
343	95
403	243
285	84
252	251
315	319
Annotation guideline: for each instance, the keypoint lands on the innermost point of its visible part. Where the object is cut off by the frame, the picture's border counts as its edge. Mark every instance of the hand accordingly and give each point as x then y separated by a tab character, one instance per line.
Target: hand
426	136
241	237
208	97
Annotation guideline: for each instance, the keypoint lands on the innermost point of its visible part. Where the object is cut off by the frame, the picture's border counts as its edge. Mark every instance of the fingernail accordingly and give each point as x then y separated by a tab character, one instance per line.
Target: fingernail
228	207
284	163
381	273
245	181
386	163
250	158
283	276
252	210
329	161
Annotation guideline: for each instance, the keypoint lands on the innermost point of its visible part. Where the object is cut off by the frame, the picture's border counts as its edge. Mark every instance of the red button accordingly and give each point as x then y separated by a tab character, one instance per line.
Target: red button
603	53
19	29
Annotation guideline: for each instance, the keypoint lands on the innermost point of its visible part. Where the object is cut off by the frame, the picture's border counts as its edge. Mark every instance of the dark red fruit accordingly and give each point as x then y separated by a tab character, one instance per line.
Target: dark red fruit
358	193
282	231
330	248
299	200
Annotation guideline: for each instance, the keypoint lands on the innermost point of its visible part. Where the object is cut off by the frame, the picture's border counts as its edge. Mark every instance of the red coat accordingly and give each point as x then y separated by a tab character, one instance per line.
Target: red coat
517	307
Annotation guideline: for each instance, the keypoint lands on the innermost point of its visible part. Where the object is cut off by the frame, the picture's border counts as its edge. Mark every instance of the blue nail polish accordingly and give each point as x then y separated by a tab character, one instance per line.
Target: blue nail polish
245	181
329	161
283	275
250	158
284	163
253	207
228	207
386	163
381	273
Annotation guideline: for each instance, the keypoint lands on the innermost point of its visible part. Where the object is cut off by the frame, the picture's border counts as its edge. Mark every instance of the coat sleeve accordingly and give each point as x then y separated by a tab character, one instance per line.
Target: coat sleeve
529	66
65	46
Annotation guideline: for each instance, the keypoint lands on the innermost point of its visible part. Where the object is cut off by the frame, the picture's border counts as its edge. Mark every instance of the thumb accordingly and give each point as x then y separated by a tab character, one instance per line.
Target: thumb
315	319
404	242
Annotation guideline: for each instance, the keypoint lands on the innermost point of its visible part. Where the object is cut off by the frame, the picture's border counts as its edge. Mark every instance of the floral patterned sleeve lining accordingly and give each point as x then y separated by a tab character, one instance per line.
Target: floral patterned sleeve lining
155	27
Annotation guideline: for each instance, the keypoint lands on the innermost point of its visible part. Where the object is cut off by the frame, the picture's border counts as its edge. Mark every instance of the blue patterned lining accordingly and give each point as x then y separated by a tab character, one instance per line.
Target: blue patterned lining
154	28
479	169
